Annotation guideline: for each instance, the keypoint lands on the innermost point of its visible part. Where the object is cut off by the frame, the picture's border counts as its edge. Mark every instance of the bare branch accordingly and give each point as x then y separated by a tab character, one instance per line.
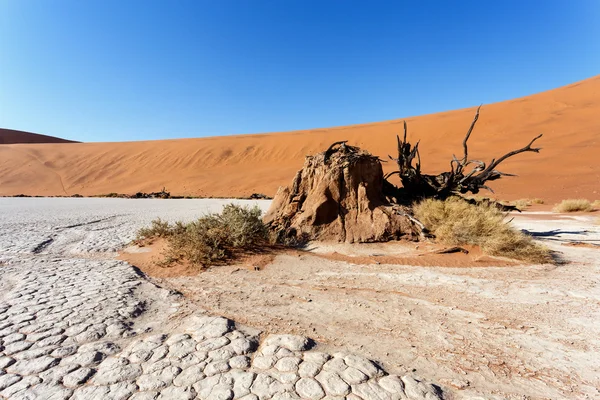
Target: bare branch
495	163
469	134
330	149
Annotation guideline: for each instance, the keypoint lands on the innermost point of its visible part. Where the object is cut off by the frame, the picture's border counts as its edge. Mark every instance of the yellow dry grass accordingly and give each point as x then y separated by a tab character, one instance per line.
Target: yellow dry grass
573	205
456	222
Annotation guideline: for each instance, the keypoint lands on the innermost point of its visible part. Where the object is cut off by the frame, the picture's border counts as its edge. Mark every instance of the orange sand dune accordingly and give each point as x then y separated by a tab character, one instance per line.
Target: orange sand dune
568	166
10	136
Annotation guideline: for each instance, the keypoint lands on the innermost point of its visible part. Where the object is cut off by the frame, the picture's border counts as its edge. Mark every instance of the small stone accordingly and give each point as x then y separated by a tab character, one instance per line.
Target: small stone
268	350
12	338
363	365
76	329
316	357
194	358
140	356
64	351
204	386
220	354
35	366
121	390
216	368
290	342
84	358
371	391
8	380
264	386
419	390
242	346
288	364
93	333
336	364
353	376
287	378
249	397
309	388
239	362
33	353
151	395
333	384
177	393
212	344
158	380
55	375
283	352
263	362
45	391
216	327
37	337
220	392
159	353
51	340
16	347
242	381
158	366
114	370
156	338
22	384
309	369
392	383
5	362
78	377
189	376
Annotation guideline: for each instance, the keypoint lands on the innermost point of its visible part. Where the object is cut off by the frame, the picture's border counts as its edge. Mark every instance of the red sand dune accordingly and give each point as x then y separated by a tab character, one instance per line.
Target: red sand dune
567	167
10	136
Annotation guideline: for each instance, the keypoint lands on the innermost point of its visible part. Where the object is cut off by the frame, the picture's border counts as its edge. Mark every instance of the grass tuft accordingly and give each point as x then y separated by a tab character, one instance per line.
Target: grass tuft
573	205
522	203
456	222
211	239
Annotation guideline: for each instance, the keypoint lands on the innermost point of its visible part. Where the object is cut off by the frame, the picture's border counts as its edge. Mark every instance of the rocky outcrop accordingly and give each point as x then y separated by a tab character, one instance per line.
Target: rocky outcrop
338	195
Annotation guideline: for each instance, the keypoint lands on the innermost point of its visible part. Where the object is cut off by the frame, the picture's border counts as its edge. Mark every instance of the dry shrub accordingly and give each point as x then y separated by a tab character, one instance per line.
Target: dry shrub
522	203
212	238
157	229
573	205
596	204
456	222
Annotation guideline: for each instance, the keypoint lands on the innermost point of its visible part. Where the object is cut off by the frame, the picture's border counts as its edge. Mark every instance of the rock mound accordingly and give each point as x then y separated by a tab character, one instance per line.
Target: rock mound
338	195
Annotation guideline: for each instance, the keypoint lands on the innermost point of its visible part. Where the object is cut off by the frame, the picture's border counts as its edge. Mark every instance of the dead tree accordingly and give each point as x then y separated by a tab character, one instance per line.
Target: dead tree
342	194
459	180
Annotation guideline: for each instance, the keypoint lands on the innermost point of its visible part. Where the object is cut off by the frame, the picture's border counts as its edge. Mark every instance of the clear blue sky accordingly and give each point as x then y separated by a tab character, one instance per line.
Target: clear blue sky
115	70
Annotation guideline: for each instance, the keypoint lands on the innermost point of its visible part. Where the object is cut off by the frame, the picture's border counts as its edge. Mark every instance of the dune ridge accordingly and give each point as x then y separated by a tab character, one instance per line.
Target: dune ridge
11	136
567	167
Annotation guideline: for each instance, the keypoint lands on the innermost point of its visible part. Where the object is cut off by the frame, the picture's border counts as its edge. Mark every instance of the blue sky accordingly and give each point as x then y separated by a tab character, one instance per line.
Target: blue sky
108	70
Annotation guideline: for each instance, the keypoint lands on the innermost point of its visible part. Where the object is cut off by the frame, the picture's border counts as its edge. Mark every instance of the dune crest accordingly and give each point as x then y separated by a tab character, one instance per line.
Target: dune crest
567	167
11	136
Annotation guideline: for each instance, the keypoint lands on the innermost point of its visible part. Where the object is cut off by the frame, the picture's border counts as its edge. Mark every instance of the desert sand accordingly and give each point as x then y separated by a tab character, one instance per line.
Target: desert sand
237	166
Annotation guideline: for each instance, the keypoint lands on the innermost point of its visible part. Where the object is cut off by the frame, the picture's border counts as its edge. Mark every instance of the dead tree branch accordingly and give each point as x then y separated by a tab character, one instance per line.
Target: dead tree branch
455	181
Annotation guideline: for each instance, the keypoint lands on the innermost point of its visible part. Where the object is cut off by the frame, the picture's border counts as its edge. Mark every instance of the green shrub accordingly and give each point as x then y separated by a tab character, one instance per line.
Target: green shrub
456	222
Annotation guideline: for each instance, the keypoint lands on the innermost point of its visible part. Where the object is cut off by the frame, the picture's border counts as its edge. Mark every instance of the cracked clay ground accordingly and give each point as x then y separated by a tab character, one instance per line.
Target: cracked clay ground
77	324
